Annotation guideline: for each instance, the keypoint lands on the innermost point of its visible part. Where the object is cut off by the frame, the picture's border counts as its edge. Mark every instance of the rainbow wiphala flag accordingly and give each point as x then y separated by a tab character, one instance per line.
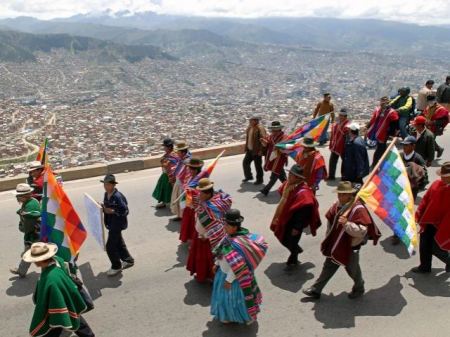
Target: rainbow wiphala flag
389	195
60	222
42	155
313	129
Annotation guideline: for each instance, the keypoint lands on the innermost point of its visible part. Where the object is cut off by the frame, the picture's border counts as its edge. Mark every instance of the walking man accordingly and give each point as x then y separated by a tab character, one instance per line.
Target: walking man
355	164
443	93
433	217
323	107
381	126
115	209
424	140
339	132
59	304
349	227
254	150
437	117
29	223
312	162
297	210
275	160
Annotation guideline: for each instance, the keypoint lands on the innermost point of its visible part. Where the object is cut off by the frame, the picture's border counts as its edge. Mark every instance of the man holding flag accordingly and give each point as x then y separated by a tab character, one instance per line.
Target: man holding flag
349	227
433	216
275	159
312	162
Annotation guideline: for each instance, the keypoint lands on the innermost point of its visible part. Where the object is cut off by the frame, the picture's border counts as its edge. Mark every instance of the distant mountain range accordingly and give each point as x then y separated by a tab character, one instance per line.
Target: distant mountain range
19	47
179	34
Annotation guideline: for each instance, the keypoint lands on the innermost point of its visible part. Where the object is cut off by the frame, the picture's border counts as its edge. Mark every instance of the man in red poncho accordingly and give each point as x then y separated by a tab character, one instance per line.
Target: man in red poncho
349	227
339	132
433	216
312	162
298	209
275	159
437	117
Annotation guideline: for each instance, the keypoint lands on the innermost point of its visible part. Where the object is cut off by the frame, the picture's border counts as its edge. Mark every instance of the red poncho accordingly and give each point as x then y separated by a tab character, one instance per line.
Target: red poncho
293	198
433	210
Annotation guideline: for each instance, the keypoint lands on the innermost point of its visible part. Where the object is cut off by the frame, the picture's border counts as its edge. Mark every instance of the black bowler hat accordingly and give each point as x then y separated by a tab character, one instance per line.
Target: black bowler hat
167	142
297	171
109	178
275	125
233	217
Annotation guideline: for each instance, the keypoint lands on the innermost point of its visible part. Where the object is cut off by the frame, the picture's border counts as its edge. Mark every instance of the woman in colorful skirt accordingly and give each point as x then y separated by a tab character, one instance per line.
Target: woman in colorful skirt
236	296
187	230
163	189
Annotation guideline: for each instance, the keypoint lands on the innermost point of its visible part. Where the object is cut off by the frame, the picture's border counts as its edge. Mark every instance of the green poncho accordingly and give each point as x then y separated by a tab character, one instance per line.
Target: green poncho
29	214
58	301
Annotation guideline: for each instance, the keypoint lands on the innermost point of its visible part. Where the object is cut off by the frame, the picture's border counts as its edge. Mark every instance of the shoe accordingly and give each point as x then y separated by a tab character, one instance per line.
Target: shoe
176	219
160	205
264	192
250	322
311	293
126	264
15	271
292	260
439	152
247	179
355	294
258	182
419	270
395	240
113	272
447	268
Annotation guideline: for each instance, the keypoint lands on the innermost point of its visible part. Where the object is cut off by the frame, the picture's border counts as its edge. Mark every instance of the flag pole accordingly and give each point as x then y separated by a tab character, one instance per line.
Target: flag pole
184	192
377	166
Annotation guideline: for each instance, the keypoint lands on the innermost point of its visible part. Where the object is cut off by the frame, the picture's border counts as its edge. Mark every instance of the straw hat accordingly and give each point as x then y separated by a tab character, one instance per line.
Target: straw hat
180	146
35	165
444	171
205	184
22	189
345	187
40	251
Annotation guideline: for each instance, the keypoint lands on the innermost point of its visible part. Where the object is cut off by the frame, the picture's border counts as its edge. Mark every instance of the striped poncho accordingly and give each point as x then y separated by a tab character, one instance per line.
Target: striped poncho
210	214
244	251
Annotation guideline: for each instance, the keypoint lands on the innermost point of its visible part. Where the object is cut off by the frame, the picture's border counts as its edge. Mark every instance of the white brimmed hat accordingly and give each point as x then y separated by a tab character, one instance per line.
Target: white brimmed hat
40	251
354	126
22	189
35	165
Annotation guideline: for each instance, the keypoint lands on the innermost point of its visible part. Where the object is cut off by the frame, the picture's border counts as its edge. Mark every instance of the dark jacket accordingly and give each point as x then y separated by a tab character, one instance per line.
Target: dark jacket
118	220
425	145
443	93
355	164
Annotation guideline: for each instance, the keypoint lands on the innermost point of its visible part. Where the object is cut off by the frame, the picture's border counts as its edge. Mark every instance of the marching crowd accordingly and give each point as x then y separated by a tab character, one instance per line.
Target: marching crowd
221	249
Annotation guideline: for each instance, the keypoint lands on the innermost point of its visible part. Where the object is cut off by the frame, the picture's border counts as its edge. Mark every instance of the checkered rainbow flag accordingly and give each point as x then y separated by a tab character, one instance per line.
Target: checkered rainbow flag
60	222
388	193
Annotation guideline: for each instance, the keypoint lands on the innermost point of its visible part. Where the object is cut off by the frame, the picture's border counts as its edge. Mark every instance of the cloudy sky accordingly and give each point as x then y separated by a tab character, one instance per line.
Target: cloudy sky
427	12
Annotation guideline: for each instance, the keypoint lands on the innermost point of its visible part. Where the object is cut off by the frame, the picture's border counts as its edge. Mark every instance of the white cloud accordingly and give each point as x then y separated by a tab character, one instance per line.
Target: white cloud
418	11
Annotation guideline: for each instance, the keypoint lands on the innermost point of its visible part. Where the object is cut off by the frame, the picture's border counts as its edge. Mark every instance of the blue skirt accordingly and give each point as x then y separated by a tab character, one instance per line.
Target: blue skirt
228	305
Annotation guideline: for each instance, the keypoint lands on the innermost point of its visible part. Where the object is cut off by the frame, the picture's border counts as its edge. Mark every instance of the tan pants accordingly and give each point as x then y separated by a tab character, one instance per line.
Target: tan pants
175	207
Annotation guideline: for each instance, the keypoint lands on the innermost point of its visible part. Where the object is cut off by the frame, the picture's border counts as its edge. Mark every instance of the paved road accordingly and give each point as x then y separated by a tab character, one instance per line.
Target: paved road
157	297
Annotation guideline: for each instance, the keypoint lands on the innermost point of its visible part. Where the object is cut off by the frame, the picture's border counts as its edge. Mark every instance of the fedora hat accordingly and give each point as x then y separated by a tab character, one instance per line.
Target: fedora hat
35	165
109	178
444	171
275	125
308	142
345	187
343	112
233	217
40	251
167	142
194	162
205	184
22	189
297	171
180	146
255	117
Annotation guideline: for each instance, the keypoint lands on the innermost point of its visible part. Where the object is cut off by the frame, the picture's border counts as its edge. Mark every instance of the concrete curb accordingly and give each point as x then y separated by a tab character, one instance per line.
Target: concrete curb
125	165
